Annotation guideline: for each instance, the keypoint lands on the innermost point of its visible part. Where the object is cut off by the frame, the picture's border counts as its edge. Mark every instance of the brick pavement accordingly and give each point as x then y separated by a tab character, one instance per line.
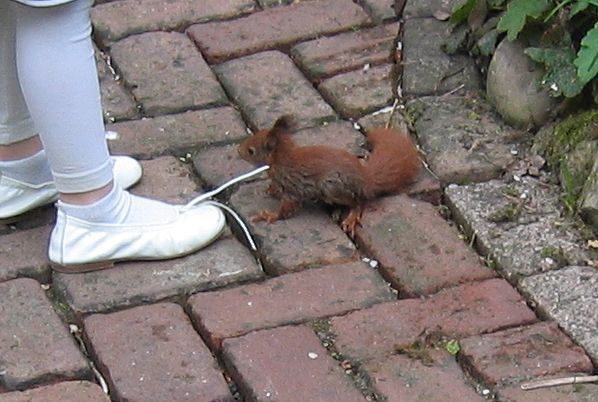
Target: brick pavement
313	315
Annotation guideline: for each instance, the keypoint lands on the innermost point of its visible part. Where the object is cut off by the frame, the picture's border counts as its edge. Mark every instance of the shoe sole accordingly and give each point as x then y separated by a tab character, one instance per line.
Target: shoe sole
102	265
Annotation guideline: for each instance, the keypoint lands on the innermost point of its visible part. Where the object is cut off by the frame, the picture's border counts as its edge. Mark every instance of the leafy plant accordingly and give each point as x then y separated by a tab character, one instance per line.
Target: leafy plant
562	36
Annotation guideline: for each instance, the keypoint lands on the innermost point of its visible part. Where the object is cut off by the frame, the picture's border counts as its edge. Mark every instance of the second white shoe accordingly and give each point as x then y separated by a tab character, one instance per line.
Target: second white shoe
80	246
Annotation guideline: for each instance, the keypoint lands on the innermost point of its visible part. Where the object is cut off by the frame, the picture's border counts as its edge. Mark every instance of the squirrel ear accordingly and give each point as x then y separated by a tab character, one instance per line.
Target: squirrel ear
283	124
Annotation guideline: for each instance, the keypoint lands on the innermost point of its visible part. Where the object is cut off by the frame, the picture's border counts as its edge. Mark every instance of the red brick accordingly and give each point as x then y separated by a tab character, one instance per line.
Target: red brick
456	312
308	239
68	391
338	134
419	251
562	393
167	179
128	284
403	379
287	299
179	133
325	57
117	19
216	165
521	353
25	253
152	353
357	93
286	364
35	346
275	27
267	85
166	73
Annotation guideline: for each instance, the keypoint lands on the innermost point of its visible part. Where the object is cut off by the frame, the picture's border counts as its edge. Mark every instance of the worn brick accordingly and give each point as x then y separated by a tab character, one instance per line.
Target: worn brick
462	138
267	85
403	379
418	250
216	165
153	353
166	73
68	391
128	284
31	219
357	93
286	364
325	57
117	102
562	393
305	240
457	312
167	179
427	69
288	299
521	353
275	27
428	8
178	133
117	19
380	9
35	346
25	253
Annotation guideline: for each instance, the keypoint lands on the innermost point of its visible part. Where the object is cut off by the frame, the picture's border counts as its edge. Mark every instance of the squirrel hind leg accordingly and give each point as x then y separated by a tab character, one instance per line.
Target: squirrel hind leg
352	220
288	207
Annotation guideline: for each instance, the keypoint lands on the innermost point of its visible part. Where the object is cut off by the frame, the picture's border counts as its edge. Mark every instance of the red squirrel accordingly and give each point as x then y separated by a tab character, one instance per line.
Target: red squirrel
331	175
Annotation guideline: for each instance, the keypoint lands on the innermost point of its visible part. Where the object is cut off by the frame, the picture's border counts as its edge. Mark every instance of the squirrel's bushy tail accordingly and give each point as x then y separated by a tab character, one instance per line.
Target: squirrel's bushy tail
393	163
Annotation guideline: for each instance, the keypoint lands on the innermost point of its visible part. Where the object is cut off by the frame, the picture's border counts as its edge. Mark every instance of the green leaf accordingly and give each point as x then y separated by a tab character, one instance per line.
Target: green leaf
587	57
462	10
518	11
560	75
487	43
453	347
578	7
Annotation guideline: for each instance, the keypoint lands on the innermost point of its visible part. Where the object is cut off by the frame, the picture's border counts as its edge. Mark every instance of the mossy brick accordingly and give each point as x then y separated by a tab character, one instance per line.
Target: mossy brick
357	93
457	312
275	27
117	19
427	69
324	57
523	353
430	377
152	353
176	134
35	345
306	240
287	299
563	393
25	253
166	72
286	364
268	85
129	284
67	391
419	252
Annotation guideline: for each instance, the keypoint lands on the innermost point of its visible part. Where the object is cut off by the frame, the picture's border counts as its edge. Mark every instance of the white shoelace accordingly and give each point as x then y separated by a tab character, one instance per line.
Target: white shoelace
206	197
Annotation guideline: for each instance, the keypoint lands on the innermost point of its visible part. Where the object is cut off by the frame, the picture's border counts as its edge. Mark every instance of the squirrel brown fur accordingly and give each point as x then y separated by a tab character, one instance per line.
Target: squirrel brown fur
331	175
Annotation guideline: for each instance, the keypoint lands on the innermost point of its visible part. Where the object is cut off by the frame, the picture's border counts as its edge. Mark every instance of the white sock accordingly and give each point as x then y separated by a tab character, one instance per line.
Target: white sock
32	170
120	206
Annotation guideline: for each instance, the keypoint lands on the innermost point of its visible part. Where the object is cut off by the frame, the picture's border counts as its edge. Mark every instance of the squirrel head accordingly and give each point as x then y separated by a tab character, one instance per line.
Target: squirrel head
261	146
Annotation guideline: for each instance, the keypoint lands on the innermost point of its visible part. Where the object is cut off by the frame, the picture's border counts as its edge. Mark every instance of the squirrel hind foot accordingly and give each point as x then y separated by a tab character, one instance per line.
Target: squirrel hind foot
352	221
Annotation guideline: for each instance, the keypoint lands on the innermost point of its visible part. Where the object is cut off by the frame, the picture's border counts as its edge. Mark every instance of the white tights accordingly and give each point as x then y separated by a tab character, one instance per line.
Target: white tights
49	86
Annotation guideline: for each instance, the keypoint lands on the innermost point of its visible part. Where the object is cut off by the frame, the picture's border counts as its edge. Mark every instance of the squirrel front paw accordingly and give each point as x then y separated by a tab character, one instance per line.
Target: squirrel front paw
267	216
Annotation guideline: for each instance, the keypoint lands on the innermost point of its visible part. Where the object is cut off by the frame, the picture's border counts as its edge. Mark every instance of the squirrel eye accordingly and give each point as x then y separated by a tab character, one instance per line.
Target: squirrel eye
251	151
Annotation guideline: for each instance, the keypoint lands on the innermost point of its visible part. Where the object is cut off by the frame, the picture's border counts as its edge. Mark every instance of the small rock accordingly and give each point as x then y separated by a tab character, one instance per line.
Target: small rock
512	87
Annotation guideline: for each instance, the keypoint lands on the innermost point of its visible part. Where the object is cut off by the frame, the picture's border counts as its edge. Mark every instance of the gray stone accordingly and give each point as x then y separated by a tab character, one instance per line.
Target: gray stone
512	86
570	297
588	203
520	225
463	140
428	8
427	69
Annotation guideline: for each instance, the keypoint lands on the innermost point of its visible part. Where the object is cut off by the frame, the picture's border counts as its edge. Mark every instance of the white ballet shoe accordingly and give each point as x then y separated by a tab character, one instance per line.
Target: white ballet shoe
17	197
80	246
